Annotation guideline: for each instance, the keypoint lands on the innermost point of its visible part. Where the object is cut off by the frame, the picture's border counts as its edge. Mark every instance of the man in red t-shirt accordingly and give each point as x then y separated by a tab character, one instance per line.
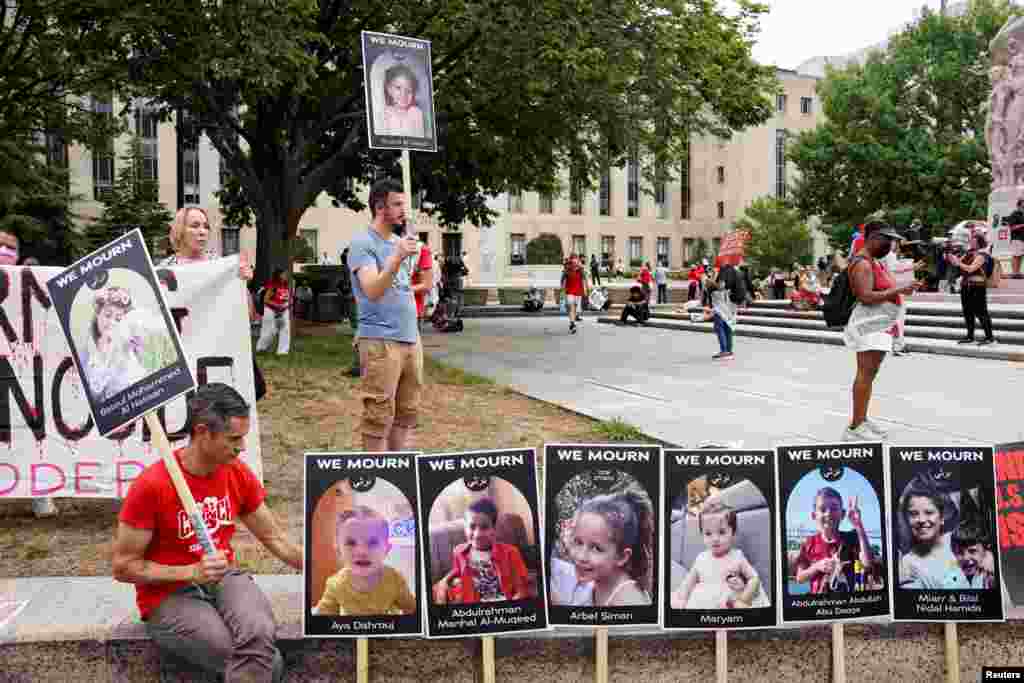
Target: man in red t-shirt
276	314
200	607
423	280
574	283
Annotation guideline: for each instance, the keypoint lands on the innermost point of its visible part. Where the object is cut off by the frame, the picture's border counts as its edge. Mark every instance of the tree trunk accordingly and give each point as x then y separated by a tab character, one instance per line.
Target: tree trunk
275	227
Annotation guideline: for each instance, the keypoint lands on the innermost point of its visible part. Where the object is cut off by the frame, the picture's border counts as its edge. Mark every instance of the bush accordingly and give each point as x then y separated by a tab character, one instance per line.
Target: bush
544	250
636	263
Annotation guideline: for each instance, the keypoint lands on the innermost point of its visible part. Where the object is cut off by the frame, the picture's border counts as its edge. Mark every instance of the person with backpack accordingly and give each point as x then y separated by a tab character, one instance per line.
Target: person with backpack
574	283
977	267
728	293
867	297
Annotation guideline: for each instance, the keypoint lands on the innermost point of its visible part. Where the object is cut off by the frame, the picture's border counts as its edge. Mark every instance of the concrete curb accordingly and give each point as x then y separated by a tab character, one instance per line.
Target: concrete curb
833	338
999	322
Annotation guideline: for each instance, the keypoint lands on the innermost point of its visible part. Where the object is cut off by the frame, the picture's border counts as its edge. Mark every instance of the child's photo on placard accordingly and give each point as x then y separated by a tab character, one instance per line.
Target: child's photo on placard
944	534
602	529
720	539
834	563
482	545
361	554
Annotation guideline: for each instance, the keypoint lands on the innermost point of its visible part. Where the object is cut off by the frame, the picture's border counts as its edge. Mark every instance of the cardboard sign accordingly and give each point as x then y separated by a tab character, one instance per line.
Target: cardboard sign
945	556
1010	519
833	566
720	539
399	87
481	543
362	562
602	504
121	334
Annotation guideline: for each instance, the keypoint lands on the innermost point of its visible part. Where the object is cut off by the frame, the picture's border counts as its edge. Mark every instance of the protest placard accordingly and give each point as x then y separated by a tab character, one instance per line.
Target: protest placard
481	543
122	337
1010	522
720	539
833	563
361	575
50	444
602	505
398	80
945	556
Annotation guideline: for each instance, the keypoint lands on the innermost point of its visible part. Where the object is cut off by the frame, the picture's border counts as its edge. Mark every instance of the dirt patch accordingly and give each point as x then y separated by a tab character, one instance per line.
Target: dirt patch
311	405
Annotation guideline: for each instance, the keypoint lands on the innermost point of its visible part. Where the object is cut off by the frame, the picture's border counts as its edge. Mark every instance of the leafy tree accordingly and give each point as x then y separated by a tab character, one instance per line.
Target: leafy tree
522	91
839	236
700	249
778	235
904	131
133	202
544	250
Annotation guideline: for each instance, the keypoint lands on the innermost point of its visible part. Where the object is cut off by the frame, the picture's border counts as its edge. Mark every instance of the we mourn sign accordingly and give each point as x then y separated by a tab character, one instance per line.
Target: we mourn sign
49	445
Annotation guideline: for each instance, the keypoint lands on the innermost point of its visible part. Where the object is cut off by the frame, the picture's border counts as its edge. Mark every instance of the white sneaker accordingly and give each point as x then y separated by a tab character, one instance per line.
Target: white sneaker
861	433
878	429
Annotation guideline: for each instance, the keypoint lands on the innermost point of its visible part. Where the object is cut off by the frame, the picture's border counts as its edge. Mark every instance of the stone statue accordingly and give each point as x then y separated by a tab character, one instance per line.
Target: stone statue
1004	125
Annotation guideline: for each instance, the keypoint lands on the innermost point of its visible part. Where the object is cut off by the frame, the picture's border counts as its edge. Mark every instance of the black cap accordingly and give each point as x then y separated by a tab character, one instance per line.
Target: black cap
881	229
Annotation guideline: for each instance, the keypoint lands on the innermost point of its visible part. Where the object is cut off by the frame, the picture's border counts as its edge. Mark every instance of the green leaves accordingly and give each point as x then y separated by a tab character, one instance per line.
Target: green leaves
778	235
904	131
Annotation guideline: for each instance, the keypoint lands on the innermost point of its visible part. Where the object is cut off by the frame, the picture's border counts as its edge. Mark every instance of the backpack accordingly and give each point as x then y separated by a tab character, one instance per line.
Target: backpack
738	291
993	272
840	300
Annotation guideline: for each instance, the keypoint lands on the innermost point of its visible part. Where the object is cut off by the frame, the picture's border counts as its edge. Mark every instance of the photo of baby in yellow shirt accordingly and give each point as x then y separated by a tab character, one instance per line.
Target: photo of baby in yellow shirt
365	586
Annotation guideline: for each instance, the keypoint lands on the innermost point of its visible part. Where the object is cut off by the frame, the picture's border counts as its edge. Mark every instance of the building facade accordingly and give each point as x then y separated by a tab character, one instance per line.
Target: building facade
620	221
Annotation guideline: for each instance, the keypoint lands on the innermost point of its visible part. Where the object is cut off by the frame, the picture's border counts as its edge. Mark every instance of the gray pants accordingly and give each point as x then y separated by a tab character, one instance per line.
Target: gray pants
229	629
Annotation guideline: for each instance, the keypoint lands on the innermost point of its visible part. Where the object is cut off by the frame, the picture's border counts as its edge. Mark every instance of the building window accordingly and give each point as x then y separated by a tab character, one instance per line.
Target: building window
688	246
780	103
607	250
56	151
633	184
716	245
188	158
311	239
575	194
103	154
684	183
721	209
663	251
606	192
805	105
230	242
515	202
721	175
547	203
579	245
780	164
518	250
660	192
636	252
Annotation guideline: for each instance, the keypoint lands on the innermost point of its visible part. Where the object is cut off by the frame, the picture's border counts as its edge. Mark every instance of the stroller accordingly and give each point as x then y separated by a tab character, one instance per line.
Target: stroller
447	315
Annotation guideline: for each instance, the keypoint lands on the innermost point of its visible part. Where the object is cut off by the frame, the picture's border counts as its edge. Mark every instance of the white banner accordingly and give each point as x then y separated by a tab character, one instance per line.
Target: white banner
49	445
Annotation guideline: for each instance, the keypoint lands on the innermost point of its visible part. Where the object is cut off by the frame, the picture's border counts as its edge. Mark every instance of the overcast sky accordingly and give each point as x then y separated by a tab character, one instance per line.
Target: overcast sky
796	30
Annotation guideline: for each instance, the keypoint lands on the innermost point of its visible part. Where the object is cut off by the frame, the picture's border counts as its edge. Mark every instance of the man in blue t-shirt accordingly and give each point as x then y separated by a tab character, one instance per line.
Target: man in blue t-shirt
382	263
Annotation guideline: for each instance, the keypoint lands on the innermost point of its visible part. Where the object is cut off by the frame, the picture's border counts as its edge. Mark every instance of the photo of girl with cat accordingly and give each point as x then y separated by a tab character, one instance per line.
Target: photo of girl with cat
604	555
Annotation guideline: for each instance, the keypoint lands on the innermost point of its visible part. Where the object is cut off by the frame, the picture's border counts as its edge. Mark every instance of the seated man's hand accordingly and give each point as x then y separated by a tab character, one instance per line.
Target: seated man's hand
210	569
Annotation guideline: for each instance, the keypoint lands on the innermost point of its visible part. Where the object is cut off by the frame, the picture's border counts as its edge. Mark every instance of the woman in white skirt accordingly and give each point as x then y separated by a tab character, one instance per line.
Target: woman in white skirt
872	324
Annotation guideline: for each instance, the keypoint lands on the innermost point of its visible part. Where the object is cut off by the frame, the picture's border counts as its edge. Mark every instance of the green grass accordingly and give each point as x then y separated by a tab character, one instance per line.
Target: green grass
618	429
333	351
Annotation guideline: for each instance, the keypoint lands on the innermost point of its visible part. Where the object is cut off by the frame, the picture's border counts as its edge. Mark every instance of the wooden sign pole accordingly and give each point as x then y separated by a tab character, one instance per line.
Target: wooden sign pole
362	660
722	656
163	446
952	655
488	657
601	655
838	654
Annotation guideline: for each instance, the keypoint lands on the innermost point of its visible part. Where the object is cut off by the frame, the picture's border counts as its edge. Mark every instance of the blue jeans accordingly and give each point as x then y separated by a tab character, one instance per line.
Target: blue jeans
724	334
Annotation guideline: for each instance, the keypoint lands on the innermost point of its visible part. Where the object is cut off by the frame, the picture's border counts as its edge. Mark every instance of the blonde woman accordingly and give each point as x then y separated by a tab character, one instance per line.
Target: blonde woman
190	234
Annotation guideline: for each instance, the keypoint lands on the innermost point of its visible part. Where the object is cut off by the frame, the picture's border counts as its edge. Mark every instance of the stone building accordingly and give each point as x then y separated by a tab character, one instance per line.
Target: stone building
619	220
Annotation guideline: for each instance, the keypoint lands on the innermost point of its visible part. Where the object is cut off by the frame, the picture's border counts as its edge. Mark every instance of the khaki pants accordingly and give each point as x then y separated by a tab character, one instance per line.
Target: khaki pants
392	381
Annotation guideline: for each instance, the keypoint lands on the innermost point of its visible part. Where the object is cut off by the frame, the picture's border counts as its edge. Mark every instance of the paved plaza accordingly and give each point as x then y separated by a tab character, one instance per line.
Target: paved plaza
665	383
